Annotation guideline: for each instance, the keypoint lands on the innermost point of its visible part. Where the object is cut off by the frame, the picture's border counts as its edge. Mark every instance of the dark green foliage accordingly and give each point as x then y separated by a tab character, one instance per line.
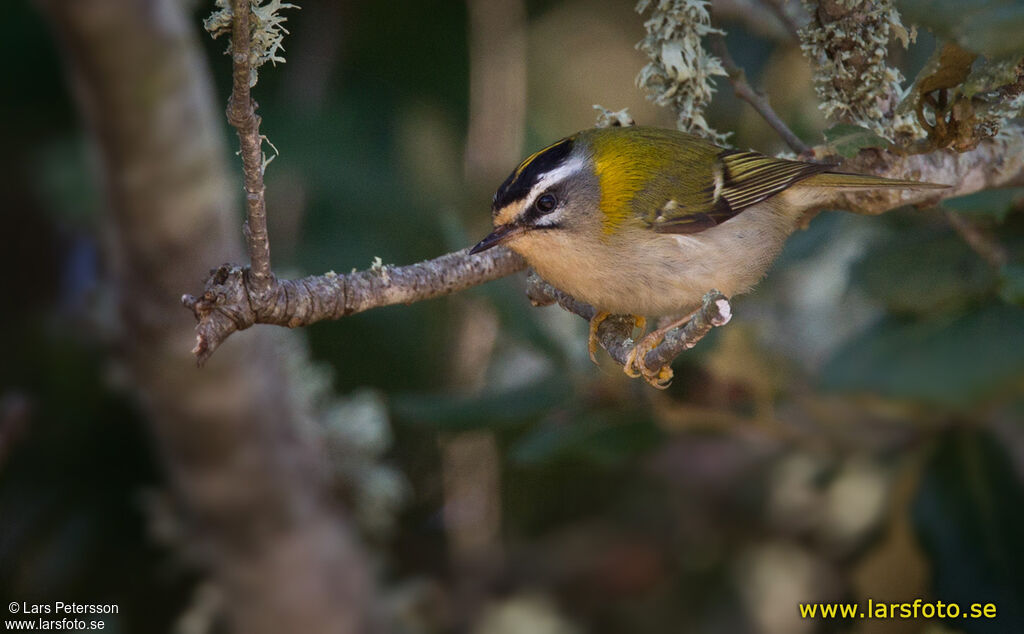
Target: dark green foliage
923	270
957	360
969	516
847	139
632	511
988	27
991	203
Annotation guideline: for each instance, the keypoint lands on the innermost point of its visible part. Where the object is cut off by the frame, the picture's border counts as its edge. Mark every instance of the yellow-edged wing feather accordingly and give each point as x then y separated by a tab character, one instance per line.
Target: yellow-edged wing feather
743	179
737	181
697	184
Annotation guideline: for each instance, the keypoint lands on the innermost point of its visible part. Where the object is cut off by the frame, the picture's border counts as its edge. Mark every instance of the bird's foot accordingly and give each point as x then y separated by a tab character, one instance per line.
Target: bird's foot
592	341
636	366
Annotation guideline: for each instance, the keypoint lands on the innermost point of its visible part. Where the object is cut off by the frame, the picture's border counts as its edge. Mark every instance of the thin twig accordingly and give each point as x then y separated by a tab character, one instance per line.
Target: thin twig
755	98
242	115
778	7
227	304
984	245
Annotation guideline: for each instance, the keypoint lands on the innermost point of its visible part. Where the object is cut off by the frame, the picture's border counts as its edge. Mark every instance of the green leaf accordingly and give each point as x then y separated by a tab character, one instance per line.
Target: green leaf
969	516
64	181
923	271
847	139
988	75
988	27
946	360
605	438
1011	283
995	203
488	410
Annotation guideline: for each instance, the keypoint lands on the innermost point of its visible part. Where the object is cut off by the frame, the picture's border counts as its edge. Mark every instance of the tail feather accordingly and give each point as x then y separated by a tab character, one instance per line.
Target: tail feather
843	179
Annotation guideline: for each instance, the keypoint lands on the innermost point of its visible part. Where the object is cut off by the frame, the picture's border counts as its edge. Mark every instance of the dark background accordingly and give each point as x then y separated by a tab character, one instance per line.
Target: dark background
855	432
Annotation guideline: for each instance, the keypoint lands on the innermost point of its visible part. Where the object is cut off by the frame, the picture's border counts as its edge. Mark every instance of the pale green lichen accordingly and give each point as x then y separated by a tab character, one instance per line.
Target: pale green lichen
995	90
680	73
613	118
353	433
997	115
267	30
381	269
852	78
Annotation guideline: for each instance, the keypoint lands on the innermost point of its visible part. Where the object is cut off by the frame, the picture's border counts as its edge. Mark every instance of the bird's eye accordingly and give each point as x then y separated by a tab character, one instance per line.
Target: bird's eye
546	203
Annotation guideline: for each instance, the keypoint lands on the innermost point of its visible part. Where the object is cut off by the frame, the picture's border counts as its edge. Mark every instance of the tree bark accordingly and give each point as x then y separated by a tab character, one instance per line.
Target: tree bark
257	510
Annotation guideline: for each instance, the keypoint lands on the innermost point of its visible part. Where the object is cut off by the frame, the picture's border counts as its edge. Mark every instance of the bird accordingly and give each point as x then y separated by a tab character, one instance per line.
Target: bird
645	221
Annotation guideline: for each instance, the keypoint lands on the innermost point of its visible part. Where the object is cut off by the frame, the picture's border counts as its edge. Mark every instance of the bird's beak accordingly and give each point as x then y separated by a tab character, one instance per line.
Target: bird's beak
496	237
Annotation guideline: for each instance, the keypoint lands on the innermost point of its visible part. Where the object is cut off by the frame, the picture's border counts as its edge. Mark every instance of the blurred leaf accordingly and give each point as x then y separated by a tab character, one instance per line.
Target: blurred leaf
847	139
988	75
948	67
521	320
945	360
996	203
1011	283
606	438
818	235
969	516
922	271
484	410
65	183
989	27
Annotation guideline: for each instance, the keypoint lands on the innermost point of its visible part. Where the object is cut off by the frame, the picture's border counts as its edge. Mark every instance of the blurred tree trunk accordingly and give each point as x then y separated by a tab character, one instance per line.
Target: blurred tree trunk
256	511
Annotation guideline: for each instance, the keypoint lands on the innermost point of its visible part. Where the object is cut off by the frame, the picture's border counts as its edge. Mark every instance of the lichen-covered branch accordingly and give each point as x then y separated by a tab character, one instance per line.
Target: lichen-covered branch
847	41
995	163
242	115
246	55
681	73
229	303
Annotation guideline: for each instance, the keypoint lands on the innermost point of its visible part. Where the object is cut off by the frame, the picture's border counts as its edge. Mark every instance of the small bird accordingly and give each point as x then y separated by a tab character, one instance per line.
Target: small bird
644	221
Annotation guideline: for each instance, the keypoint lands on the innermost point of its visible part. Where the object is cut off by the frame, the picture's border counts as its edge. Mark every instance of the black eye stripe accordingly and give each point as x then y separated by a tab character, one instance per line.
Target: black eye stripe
520	182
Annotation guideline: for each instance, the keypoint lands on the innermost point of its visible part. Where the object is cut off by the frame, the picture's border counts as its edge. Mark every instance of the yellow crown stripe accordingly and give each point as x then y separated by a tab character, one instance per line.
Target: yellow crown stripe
531	158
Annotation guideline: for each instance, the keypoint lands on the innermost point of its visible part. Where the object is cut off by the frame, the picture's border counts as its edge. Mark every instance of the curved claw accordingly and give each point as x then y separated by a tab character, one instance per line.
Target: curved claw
636	367
592	342
639	321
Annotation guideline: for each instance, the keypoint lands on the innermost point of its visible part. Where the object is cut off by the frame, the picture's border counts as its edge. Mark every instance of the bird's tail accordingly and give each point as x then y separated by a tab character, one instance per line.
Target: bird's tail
847	180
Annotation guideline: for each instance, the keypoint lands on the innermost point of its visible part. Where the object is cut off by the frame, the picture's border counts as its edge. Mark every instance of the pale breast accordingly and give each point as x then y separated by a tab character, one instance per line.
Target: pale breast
648	273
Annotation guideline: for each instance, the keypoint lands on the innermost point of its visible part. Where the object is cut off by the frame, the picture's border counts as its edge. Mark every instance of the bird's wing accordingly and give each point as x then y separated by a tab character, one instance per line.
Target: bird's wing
737	180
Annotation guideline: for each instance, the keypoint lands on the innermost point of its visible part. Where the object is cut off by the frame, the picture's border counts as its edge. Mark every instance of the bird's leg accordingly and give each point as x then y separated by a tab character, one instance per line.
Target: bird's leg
636	366
595	322
592	341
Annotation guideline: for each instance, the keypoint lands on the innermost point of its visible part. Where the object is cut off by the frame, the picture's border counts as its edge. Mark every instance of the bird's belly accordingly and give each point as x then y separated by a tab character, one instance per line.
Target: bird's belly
664	280
663	274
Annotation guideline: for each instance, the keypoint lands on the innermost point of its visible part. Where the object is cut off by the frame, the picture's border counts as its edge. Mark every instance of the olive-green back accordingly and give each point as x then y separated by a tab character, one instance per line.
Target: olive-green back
697	184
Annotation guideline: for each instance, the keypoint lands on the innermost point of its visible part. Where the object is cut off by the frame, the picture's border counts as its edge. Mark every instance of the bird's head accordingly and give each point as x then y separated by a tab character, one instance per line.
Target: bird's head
553	190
